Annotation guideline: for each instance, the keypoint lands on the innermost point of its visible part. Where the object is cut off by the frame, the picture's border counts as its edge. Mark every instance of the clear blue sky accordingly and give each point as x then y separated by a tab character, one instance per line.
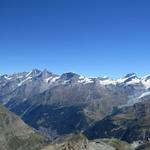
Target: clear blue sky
90	37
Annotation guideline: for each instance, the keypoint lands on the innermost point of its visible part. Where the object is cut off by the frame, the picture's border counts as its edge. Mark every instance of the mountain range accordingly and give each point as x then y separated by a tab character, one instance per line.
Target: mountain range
100	107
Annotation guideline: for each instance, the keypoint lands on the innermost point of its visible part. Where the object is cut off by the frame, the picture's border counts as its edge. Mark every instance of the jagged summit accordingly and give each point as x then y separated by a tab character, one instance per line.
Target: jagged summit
34	73
130	75
69	75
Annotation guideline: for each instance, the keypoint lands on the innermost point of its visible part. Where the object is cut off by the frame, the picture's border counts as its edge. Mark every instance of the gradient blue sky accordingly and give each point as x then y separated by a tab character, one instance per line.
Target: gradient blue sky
90	37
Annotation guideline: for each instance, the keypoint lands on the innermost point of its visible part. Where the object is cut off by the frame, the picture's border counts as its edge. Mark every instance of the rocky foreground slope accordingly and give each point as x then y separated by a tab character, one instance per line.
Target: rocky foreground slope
80	142
16	135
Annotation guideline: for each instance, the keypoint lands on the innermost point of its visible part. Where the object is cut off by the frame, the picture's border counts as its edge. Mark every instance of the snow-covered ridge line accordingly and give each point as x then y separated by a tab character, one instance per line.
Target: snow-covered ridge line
37	81
129	79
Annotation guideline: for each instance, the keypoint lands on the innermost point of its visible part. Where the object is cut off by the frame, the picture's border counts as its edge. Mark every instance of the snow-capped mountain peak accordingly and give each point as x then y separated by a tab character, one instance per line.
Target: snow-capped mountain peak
34	73
130	75
146	81
69	75
146	78
129	79
125	91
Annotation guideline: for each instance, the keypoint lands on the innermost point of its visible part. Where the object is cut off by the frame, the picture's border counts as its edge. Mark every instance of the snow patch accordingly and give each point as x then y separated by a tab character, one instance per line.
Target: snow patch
108	81
146	84
54	79
7	77
121	80
19	77
29	78
85	80
48	79
134	81
144	94
146	81
29	74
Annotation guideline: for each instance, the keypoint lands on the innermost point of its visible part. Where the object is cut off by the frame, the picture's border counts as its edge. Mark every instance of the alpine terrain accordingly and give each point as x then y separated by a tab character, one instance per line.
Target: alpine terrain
16	135
98	107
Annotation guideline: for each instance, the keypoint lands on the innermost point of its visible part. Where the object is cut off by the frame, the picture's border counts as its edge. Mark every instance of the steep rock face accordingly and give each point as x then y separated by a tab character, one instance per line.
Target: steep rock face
16	135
